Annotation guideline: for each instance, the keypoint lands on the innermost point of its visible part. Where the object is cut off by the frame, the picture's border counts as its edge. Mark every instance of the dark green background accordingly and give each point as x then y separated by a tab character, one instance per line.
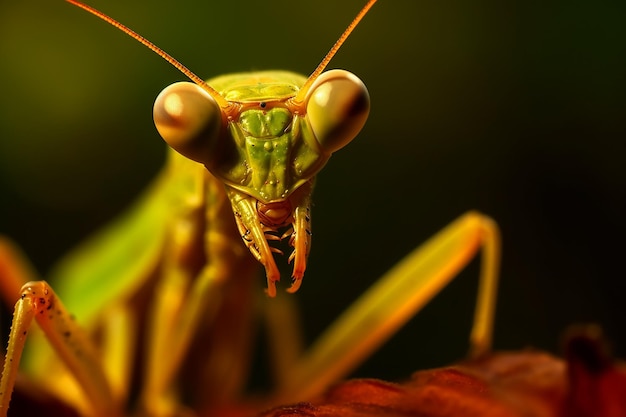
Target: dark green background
516	109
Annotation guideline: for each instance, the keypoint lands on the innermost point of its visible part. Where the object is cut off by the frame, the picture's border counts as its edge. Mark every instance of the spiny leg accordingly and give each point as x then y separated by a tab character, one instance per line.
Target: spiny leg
13	271
398	296
38	301
88	389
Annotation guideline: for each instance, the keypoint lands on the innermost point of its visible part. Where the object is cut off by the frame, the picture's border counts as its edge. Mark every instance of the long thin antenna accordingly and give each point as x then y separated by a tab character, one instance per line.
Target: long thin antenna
299	98
221	101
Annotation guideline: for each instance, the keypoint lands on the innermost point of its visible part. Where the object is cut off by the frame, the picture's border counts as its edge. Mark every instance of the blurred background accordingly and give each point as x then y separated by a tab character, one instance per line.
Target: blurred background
517	110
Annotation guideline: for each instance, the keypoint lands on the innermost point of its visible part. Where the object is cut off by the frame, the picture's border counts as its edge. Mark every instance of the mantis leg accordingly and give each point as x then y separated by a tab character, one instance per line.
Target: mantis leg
191	301
38	302
398	296
175	312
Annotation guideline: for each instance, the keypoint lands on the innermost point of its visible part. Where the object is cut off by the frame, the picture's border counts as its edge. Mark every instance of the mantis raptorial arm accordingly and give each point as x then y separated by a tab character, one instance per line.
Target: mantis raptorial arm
398	296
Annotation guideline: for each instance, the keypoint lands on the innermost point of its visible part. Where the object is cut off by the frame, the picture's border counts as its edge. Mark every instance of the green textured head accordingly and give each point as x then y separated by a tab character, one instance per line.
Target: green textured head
265	147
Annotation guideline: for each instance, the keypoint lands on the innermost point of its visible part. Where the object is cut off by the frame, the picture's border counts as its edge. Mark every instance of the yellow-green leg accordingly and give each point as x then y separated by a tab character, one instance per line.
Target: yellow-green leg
38	301
398	296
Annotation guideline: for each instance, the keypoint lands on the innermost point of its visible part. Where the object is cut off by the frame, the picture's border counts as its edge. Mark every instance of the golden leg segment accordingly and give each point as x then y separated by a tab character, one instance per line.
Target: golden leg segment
88	389
71	344
398	296
22	320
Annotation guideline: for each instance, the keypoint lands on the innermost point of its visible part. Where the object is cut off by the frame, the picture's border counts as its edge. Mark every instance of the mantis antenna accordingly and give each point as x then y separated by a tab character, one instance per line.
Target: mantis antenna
221	101
299	98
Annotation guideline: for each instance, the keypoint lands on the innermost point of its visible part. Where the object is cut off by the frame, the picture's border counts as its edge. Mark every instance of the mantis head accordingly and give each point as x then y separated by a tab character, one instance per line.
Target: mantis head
265	136
266	148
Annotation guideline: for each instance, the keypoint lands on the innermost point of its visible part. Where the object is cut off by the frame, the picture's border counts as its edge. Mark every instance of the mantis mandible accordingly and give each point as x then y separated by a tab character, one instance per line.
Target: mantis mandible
171	277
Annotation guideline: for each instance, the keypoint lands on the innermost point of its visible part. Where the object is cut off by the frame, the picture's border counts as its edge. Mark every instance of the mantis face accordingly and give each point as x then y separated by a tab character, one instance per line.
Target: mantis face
266	146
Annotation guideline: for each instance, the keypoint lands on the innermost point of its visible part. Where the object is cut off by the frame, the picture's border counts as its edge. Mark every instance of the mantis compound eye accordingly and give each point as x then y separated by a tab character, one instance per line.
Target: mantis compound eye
188	119
337	107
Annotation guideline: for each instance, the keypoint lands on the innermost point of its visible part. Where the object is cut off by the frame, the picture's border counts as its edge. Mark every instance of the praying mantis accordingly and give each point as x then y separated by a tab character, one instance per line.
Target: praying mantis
179	253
